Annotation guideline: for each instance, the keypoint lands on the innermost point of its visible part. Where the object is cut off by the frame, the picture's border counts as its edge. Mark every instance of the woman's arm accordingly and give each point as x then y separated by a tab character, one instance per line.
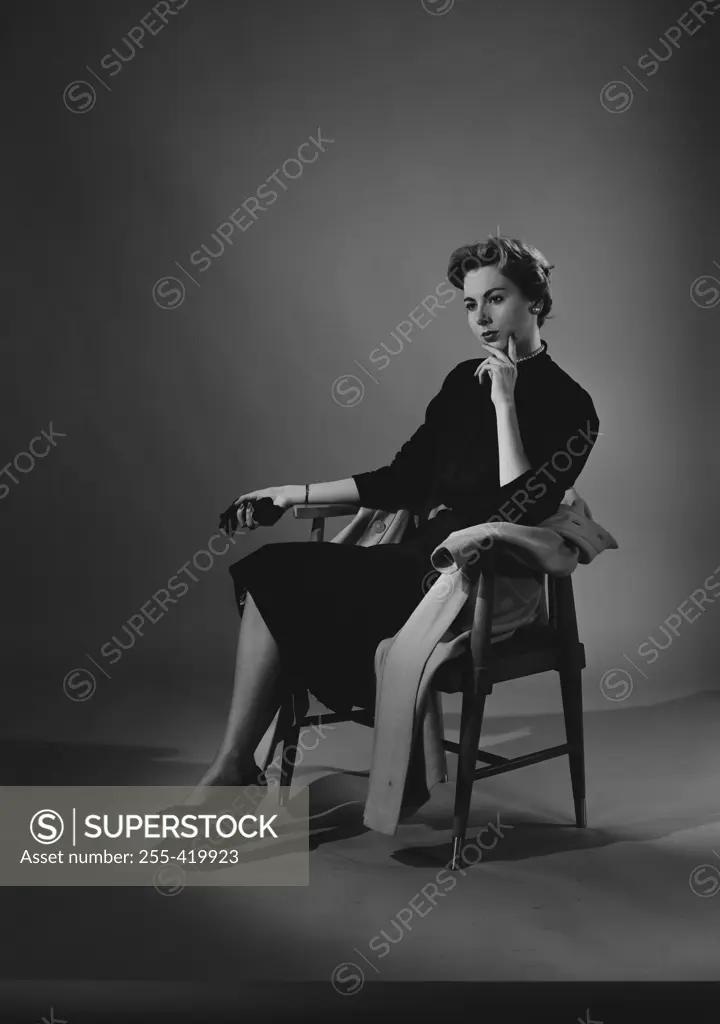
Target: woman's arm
501	367
559	455
403	483
399	485
333	492
240	514
513	460
532	489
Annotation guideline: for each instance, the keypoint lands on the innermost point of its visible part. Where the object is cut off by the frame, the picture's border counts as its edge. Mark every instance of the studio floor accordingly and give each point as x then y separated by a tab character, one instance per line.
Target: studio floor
632	897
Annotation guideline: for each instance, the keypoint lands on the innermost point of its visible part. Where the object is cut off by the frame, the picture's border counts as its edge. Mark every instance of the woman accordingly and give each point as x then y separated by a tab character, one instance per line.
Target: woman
505	437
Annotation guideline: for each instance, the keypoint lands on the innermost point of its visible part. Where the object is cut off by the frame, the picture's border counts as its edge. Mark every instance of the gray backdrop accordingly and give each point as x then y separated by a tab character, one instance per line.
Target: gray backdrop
448	120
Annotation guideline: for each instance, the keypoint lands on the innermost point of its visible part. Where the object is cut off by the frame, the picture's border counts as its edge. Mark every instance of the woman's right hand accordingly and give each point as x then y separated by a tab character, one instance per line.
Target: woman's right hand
280	496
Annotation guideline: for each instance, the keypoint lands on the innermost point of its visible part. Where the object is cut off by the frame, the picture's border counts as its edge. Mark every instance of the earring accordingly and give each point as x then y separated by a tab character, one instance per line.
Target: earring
536	309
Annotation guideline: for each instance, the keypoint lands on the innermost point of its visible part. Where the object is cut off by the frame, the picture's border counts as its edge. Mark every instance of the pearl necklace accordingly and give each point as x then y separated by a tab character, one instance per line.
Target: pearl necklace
537	352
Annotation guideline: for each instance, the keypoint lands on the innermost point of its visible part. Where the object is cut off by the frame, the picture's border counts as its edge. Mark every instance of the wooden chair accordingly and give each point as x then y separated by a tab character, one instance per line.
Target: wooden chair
541	647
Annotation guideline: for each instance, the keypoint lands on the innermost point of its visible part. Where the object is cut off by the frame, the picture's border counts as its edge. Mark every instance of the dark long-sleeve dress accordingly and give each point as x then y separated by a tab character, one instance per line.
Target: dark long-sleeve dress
328	606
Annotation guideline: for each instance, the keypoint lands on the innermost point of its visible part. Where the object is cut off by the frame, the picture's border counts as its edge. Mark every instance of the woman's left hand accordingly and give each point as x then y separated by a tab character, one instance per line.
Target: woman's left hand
502	369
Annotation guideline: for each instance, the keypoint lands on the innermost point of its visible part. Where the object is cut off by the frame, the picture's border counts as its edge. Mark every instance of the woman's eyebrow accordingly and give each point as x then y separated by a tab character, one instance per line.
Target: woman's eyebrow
497	288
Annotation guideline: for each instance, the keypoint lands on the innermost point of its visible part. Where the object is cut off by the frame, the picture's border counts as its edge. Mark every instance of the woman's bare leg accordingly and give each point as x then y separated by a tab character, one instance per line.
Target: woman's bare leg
255	700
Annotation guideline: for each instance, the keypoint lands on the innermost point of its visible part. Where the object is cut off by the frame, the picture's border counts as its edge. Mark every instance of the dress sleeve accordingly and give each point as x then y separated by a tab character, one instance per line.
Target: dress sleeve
558	457
405	482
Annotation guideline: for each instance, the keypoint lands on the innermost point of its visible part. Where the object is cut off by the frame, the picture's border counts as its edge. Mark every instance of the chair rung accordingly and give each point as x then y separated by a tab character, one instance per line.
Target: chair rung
329	719
359	716
524	761
482	755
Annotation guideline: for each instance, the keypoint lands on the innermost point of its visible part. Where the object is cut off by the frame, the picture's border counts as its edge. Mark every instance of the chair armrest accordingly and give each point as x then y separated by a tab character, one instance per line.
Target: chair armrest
325	511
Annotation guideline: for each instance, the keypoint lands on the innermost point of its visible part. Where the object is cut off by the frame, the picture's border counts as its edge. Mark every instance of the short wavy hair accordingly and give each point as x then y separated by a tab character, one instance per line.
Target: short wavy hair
521	263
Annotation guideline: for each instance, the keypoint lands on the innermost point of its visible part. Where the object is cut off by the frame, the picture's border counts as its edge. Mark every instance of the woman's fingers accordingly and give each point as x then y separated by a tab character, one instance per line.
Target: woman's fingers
247	515
486	366
239	515
240	508
498	355
243	507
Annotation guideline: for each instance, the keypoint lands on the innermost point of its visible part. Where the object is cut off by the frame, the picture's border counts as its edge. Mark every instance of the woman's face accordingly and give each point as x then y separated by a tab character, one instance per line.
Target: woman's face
494	303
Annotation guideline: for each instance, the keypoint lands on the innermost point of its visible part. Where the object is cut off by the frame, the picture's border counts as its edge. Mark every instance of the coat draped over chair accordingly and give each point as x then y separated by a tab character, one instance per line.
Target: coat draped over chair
408	756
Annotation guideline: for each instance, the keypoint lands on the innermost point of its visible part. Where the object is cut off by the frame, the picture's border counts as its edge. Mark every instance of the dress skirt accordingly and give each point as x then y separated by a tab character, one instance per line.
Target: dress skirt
328	606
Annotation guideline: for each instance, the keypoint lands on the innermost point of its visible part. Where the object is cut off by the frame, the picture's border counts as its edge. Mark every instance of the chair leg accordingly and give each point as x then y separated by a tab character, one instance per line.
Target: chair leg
571	686
473	708
287	763
294	710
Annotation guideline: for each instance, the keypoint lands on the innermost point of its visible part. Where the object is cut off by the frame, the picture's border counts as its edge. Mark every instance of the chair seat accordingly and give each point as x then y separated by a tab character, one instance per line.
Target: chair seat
535	637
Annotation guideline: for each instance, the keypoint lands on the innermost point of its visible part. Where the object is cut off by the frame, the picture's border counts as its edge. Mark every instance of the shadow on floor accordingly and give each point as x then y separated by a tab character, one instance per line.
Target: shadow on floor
652	775
337	800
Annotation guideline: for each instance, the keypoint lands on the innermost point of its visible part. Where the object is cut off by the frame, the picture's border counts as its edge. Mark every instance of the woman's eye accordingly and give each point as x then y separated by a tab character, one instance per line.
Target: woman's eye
498	297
